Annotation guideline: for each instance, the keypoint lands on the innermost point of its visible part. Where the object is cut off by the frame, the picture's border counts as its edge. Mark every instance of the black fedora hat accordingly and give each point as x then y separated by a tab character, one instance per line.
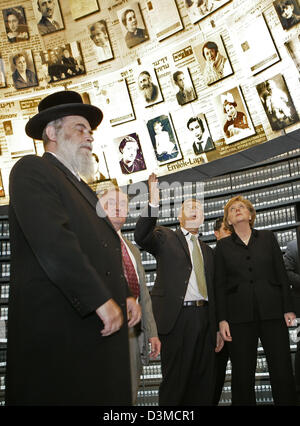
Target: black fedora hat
58	105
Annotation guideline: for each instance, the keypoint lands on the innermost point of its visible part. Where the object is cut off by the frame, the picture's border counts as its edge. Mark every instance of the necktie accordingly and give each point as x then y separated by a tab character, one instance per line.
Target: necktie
129	271
199	267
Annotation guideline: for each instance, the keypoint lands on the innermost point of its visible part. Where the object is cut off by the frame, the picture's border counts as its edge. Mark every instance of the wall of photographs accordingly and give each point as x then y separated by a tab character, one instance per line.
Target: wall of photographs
180	82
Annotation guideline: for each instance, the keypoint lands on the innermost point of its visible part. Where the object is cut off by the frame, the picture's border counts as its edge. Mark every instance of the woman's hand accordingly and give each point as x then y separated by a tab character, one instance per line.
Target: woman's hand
225	331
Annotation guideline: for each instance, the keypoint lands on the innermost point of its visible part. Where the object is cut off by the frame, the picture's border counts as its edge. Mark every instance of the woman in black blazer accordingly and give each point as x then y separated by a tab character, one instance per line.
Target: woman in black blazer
253	301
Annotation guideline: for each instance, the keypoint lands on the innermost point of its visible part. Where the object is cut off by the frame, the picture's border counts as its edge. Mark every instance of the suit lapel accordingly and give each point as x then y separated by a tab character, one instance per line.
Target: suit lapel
81	186
136	255
183	242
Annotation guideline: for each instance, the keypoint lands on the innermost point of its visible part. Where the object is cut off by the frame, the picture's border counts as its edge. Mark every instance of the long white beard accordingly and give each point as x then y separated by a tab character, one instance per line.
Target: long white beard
81	161
148	92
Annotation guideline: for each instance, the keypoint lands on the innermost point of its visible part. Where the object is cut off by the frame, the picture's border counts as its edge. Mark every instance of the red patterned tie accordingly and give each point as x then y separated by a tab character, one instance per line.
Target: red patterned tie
129	271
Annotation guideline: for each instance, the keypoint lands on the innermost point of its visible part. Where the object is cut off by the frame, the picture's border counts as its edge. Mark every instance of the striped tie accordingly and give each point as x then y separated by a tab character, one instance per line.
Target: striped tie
199	267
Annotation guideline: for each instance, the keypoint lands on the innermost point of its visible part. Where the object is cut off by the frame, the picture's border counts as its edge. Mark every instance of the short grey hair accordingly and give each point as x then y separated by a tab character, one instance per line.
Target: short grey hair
57	124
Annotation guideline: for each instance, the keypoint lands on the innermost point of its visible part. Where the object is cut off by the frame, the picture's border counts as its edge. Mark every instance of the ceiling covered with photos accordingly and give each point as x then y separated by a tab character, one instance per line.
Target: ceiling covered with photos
181	83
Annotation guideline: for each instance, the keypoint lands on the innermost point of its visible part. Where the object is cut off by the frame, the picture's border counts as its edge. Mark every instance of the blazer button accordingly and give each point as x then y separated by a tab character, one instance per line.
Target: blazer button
108	273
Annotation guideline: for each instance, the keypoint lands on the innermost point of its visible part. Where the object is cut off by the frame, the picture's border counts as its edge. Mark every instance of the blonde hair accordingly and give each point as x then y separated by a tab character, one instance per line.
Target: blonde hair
247	203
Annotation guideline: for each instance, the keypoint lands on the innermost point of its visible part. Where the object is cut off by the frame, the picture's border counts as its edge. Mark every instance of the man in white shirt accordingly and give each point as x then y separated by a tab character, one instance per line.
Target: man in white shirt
183	302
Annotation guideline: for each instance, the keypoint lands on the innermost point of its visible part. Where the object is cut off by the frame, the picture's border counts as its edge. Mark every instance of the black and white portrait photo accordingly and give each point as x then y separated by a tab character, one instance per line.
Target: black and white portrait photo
15	24
148	87
131	155
98	175
132	24
100	40
163	139
199	134
199	9
277	102
183	86
23	70
63	62
288	12
49	17
213	59
233	116
2	74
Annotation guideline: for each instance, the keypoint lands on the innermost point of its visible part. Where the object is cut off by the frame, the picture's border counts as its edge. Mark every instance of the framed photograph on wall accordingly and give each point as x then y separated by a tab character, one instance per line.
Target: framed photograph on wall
63	62
233	115
132	25
257	47
293	47
80	8
131	155
48	16
17	142
277	102
100	39
15	24
199	134
23	70
200	9
183	86
288	12
165	18
148	86
163	139
213	59
114	100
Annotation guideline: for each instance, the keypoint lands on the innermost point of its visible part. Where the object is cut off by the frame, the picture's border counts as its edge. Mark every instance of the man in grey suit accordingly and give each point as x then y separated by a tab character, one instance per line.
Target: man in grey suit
115	204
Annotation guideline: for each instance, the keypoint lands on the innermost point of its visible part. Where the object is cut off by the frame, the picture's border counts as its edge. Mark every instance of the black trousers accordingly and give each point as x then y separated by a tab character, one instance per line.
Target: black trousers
188	360
243	354
222	358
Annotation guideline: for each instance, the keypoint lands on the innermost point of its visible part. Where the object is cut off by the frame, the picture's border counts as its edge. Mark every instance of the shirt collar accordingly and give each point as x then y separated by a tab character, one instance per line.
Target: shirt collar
187	234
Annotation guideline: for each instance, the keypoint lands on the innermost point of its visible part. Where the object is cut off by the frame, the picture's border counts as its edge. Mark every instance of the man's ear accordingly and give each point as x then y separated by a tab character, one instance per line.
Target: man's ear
51	133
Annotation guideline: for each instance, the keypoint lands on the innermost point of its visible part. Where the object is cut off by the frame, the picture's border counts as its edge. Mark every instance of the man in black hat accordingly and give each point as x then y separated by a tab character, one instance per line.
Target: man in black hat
68	306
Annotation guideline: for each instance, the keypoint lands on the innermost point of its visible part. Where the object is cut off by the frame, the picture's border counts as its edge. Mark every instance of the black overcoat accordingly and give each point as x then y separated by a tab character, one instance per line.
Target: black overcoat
65	263
251	275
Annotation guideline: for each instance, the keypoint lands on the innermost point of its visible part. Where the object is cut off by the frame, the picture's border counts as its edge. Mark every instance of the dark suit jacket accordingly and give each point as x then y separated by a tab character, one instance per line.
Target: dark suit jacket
203	148
292	265
65	263
174	268
46	27
243	273
22	84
